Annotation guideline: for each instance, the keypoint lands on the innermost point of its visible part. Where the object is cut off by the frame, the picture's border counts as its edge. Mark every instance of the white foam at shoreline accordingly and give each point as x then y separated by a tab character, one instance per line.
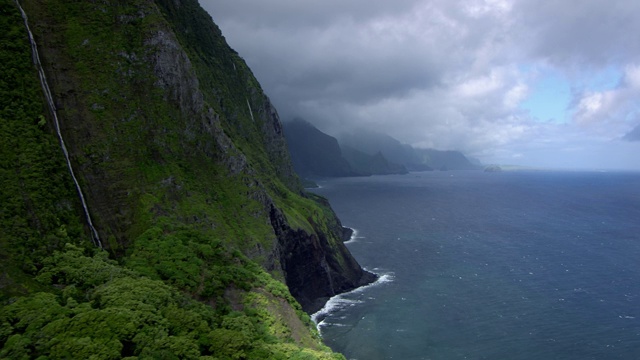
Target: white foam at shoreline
354	235
340	302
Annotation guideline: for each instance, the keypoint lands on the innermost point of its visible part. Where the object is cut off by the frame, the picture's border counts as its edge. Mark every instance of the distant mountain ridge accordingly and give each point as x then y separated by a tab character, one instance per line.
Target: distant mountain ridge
413	159
375	164
316	154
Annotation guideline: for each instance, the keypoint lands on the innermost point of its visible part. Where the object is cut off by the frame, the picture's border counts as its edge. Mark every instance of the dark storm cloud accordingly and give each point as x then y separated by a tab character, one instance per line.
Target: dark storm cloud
324	52
588	32
293	14
450	74
354	52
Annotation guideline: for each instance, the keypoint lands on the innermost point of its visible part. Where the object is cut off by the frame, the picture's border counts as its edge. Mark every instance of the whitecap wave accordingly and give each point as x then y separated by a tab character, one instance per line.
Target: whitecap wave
341	301
324	323
333	304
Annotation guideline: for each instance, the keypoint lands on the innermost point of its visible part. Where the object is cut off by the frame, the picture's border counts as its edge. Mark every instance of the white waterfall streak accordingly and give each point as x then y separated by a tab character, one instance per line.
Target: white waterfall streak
47	92
250	111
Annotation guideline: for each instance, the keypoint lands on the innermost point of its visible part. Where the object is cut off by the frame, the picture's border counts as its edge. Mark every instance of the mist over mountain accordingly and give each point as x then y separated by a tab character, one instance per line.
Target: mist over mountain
375	164
316	154
474	161
445	160
413	159
371	143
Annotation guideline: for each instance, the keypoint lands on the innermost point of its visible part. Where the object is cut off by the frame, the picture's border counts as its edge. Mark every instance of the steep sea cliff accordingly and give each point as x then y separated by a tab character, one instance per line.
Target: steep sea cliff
180	159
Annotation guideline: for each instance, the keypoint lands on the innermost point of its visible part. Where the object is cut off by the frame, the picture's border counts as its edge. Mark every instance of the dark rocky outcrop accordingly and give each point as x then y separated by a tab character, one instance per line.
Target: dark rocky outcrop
301	253
347	233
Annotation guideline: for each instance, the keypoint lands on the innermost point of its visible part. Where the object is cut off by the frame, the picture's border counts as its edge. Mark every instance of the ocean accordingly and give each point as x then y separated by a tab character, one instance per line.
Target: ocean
478	265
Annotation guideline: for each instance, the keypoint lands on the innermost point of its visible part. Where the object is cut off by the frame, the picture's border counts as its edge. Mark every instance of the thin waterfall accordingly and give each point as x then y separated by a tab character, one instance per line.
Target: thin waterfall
47	93
250	111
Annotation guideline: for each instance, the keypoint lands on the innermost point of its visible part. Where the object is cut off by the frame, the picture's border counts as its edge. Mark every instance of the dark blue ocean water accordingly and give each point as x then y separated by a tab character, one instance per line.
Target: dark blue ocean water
475	265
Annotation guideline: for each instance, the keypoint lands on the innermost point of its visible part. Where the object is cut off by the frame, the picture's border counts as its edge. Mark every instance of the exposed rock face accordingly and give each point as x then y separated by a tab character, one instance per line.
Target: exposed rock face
315	266
171	124
174	71
275	144
312	270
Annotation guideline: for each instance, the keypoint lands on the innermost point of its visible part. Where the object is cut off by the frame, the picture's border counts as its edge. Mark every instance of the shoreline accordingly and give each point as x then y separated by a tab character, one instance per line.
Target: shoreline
347	234
338	301
350	234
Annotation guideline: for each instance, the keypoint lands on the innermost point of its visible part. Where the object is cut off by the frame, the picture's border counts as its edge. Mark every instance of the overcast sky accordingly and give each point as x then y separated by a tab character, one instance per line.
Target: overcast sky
548	83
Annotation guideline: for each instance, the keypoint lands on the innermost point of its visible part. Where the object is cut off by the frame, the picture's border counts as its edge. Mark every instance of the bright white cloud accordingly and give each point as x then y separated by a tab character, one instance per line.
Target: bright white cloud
449	74
614	112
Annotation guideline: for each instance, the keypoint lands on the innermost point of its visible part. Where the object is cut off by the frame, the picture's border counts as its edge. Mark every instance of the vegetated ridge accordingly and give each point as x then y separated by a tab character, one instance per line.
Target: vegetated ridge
184	167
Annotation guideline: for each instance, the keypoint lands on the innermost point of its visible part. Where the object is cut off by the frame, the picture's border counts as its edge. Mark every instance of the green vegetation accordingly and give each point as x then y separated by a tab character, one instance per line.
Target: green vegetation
143	149
38	204
229	87
182	179
103	311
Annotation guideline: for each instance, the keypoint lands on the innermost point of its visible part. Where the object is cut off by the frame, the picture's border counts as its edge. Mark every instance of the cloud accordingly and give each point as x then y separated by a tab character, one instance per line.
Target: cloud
592	33
449	74
633	135
609	113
